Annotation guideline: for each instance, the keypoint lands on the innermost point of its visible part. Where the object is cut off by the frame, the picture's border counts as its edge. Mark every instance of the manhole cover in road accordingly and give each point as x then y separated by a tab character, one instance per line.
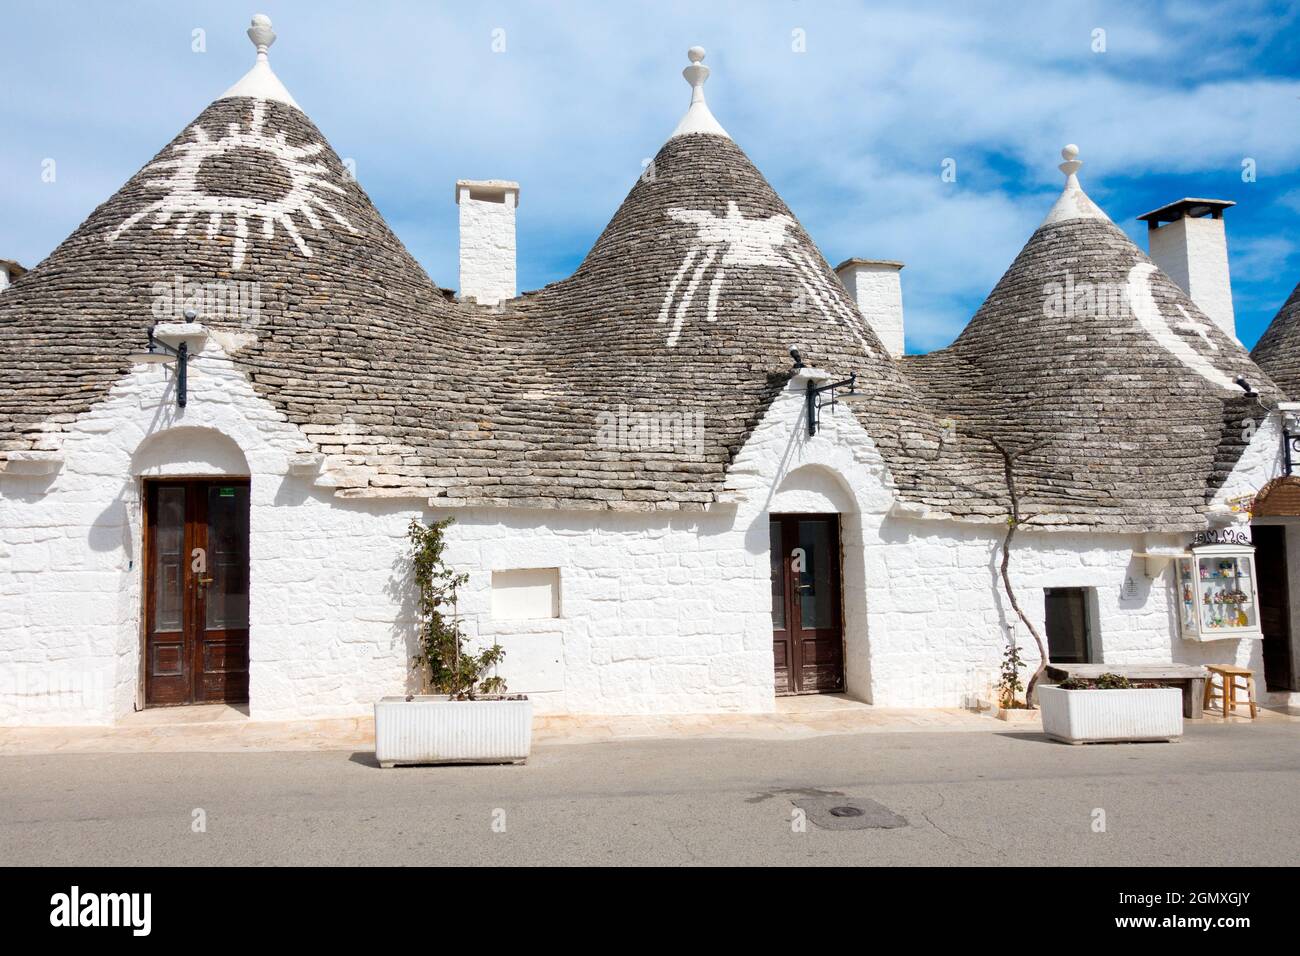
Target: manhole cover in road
848	813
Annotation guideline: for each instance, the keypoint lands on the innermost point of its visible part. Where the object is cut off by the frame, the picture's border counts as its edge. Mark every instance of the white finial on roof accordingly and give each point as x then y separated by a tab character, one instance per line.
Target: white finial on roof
697	73
1073	202
259	82
261	34
698	119
1072	162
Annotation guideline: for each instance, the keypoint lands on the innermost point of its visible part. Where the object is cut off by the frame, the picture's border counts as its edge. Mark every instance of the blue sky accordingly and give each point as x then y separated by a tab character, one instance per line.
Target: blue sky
852	130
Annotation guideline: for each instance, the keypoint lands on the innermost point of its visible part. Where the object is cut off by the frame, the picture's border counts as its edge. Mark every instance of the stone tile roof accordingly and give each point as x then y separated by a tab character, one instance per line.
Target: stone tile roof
690	300
1278	350
1127	394
407	393
347	322
632	384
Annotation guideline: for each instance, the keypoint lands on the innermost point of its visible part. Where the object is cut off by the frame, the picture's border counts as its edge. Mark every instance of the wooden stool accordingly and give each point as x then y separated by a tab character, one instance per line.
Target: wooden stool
1228	675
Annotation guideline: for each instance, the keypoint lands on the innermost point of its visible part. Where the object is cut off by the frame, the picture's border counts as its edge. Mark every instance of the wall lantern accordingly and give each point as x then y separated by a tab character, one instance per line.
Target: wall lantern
814	392
157	353
1290	435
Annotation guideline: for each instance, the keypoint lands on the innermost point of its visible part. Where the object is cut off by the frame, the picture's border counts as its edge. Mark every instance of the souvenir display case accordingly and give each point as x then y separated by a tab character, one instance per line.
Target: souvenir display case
1216	592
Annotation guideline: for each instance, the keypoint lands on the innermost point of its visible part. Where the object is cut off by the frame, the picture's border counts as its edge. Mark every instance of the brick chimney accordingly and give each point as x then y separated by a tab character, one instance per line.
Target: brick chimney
874	285
1187	241
487	239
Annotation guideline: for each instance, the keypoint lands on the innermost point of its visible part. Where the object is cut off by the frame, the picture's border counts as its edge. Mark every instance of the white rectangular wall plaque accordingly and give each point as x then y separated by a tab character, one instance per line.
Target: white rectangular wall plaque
525	594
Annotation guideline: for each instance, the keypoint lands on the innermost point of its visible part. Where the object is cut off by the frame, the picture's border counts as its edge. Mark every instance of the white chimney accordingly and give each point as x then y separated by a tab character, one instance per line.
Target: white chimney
487	239
9	271
874	285
1186	239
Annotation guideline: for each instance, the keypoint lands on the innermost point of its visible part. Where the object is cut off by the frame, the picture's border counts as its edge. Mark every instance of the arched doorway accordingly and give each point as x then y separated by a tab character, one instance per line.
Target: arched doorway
1275	531
818	624
807	608
195	490
1280	498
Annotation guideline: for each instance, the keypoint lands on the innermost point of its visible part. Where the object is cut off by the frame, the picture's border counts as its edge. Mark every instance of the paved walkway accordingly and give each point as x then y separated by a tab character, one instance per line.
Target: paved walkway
967	798
223	729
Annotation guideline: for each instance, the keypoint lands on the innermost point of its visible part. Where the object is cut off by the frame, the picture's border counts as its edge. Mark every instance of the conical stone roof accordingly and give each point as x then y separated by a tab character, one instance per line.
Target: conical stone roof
683	312
693	294
1087	353
1278	350
251	205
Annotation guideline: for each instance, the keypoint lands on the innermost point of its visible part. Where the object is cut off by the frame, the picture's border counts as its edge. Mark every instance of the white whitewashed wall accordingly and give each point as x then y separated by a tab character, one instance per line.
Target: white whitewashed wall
70	563
938	613
658	613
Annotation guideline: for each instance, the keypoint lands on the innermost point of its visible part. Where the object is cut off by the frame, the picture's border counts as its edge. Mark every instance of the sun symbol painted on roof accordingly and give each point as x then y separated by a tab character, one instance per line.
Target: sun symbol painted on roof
733	240
303	188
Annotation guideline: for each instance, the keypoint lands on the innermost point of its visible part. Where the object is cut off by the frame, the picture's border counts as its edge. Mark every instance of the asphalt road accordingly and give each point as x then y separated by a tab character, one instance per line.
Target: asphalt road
1224	795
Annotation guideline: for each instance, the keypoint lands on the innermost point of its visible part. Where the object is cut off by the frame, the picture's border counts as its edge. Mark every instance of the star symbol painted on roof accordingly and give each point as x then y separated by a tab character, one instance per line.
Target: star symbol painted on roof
749	242
733	240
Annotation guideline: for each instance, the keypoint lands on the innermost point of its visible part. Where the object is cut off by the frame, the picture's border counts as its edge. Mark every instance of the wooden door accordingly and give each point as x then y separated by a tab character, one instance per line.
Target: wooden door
807	634
196	592
1274	604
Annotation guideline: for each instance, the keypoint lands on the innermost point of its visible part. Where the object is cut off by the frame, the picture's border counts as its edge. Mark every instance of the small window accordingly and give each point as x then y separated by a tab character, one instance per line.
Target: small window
525	593
1069	626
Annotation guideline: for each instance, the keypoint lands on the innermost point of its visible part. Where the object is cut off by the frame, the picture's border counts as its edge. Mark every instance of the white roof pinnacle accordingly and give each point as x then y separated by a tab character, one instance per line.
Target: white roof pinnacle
1073	202
698	119
260	82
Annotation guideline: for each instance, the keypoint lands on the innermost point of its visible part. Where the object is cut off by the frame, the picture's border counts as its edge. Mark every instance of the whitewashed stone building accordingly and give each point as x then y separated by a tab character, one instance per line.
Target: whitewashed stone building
657	510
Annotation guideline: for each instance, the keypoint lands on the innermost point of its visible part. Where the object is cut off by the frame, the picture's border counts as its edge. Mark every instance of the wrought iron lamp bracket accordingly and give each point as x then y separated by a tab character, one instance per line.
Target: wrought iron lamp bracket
181	353
815	404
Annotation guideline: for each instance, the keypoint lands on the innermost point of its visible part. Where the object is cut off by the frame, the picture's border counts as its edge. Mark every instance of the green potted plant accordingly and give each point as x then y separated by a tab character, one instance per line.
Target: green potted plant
464	714
1010	706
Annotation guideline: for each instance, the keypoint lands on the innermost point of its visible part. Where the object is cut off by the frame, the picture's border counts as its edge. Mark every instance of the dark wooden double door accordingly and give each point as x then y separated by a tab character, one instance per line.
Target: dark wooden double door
807	630
196	592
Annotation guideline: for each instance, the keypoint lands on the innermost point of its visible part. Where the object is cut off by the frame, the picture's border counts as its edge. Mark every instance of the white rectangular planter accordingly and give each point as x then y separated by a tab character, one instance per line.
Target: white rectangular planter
1096	716
432	729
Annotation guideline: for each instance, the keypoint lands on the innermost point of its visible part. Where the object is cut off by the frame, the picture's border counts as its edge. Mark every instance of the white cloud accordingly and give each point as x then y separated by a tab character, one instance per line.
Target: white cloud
1259	257
851	132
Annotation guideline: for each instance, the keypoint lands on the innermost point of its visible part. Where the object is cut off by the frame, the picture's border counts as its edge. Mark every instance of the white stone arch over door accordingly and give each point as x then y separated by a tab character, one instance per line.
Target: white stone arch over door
186	451
813	489
821	489
782	468
180	451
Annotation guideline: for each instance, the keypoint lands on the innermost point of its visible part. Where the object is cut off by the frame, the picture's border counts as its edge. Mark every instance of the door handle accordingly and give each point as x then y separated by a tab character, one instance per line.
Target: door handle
204	582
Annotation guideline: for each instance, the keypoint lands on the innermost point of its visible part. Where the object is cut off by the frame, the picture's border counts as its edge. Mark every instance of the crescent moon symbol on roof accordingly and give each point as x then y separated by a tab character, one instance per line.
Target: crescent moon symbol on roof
1147	312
